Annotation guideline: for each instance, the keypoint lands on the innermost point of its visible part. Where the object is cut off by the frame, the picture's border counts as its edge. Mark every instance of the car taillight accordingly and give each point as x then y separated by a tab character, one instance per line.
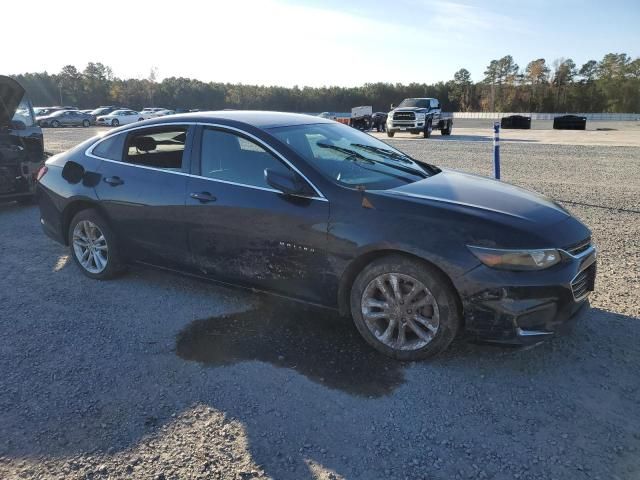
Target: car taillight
42	172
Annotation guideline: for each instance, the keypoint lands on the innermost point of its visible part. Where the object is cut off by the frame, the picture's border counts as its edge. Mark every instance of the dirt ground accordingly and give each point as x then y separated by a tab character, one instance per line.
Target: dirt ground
158	376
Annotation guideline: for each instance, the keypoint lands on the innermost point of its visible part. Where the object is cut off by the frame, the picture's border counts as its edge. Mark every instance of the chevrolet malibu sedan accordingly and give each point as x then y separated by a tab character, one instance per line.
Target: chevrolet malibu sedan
316	211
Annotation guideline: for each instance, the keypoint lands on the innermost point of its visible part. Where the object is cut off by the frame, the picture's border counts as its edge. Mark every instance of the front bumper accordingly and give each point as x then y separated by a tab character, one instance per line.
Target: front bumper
405	125
527	307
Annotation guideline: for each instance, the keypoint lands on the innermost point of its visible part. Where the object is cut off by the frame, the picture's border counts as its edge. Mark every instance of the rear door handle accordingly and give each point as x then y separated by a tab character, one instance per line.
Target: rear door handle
114	181
203	197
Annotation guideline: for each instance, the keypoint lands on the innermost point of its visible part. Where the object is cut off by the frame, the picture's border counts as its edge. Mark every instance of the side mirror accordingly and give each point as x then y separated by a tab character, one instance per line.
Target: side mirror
17	125
287	183
392	106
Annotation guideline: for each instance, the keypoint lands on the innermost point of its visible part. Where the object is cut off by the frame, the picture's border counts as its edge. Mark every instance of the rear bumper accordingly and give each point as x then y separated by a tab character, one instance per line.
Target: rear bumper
519	308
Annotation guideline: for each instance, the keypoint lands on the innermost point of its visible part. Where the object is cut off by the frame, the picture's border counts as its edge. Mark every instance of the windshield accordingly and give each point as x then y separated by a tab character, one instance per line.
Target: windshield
415	102
352	158
99	111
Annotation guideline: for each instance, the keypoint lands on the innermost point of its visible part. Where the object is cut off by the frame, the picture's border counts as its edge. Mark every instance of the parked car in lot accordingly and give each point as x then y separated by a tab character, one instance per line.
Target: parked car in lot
46	111
378	121
329	115
152	112
21	143
101	111
66	118
119	117
323	213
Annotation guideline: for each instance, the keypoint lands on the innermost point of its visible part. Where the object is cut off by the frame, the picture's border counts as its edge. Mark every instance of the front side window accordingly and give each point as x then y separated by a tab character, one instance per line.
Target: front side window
158	148
233	158
352	158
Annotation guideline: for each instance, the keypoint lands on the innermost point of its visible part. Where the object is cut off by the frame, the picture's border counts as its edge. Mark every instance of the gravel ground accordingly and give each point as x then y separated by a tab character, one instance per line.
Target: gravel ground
161	376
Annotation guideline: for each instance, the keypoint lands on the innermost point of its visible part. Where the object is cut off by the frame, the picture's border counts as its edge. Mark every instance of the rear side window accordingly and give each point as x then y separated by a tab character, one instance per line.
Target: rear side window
110	148
232	158
157	148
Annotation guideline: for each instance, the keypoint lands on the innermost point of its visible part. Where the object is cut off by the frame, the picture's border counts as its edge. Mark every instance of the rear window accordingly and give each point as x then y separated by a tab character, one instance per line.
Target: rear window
110	148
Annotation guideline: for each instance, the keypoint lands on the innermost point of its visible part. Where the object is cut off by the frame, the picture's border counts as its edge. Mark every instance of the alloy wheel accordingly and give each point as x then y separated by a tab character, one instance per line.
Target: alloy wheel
90	246
400	311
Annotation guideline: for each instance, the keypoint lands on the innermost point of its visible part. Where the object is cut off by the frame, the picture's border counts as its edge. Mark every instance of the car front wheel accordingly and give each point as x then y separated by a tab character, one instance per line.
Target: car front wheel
115	122
404	309
86	123
93	246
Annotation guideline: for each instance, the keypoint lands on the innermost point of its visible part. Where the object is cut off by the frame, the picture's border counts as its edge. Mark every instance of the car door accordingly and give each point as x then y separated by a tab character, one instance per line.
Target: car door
436	112
142	190
65	119
243	231
75	118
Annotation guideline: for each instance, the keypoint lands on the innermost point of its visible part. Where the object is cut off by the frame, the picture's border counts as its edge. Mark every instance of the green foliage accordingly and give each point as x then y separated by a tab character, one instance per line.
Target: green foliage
610	85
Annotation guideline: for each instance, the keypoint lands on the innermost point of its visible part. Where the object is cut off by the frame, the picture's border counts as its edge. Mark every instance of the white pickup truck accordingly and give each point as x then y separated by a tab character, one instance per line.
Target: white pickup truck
418	115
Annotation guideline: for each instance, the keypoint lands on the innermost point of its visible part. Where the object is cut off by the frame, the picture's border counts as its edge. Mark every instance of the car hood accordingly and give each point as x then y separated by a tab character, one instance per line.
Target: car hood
11	92
483	195
409	109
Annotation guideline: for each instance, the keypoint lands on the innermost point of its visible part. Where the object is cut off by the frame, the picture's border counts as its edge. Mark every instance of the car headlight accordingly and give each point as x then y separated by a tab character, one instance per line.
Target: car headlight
420	116
516	259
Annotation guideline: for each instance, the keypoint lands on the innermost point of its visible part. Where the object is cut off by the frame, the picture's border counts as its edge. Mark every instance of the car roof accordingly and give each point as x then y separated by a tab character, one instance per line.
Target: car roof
257	118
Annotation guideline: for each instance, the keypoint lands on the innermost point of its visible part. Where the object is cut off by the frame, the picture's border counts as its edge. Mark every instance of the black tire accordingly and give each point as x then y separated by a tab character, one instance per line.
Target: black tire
390	134
114	263
55	124
427	129
115	122
447	130
439	286
140	119
86	123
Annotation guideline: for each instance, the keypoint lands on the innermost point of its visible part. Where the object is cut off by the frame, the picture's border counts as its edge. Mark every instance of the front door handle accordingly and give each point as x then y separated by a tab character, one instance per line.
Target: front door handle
203	197
114	181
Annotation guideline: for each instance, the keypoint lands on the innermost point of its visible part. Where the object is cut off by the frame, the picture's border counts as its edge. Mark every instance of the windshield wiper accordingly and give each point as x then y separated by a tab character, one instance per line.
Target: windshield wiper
359	158
385	151
351	154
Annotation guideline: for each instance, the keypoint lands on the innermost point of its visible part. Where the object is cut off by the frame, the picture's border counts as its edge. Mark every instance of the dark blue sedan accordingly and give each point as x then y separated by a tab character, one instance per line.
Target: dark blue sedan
316	211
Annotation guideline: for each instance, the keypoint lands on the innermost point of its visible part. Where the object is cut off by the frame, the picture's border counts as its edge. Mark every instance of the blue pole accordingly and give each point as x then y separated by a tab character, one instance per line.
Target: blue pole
496	150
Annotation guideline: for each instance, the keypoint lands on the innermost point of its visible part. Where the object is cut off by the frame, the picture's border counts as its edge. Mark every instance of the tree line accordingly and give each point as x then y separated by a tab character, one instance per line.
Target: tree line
609	85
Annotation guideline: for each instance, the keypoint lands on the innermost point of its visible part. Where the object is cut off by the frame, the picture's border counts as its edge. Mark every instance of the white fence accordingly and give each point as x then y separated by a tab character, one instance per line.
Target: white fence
550	116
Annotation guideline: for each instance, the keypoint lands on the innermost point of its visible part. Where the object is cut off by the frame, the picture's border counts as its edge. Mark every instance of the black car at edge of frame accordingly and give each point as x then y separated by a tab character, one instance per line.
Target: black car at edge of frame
21	143
319	212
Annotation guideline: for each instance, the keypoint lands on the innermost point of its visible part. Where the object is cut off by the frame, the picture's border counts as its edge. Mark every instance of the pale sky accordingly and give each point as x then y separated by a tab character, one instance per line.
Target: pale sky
310	42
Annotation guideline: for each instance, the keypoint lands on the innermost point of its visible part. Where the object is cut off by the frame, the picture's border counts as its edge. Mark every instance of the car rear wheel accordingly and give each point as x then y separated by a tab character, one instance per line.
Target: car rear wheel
115	122
140	119
55	124
93	246
447	129
86	123
404	309
390	134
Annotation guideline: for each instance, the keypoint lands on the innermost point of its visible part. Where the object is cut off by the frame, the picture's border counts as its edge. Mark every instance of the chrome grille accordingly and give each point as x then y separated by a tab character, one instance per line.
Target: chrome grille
578	248
584	282
404	116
